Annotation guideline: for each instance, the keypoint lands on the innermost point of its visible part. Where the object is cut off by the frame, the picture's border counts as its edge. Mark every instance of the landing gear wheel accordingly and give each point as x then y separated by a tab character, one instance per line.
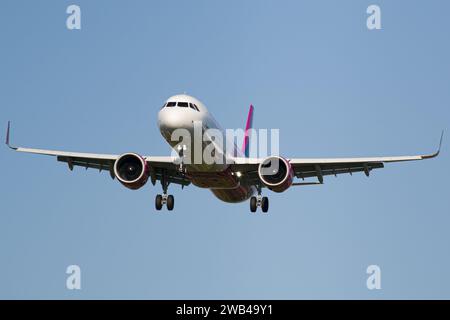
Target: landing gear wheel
158	202
170	202
253	204
265	204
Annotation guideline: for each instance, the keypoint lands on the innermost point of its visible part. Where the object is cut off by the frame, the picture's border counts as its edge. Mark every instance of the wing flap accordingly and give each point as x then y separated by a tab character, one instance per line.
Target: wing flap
308	171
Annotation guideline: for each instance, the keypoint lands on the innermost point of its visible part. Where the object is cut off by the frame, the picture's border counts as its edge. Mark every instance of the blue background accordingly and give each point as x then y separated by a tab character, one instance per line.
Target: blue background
311	68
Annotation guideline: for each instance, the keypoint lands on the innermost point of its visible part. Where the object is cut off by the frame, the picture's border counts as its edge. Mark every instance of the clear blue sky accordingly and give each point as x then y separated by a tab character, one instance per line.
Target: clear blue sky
311	68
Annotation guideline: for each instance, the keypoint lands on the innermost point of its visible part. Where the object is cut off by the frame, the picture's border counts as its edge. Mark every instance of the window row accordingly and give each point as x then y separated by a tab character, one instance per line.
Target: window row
182	105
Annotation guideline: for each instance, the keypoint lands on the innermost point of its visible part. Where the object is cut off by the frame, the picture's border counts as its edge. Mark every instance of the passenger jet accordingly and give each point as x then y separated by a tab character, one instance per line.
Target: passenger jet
238	179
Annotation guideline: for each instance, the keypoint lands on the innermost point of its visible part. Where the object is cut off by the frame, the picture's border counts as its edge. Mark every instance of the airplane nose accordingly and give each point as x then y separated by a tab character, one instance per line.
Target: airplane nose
171	119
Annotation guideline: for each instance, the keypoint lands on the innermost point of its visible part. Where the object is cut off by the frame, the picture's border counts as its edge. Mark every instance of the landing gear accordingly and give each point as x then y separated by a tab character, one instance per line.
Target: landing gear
265	204
170	202
253	204
158	202
164	199
259	201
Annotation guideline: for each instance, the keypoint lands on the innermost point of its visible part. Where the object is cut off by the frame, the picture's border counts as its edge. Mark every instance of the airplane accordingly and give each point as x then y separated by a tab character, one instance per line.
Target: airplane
238	179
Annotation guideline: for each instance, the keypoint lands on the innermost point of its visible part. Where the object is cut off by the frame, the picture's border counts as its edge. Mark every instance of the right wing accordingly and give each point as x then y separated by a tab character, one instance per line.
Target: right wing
105	162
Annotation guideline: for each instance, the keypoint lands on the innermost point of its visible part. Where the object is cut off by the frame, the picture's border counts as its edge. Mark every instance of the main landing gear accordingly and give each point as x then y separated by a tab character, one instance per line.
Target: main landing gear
259	201
164	199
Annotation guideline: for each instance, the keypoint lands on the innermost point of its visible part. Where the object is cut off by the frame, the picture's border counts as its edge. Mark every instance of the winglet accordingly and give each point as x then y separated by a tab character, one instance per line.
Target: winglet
438	150
248	126
440	142
7	136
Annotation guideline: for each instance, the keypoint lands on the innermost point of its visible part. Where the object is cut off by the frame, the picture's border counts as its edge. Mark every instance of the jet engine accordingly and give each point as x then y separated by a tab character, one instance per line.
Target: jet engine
131	170
276	173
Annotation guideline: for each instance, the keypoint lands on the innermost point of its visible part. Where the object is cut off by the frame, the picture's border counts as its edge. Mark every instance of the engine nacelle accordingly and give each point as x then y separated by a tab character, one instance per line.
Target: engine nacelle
276	173
131	170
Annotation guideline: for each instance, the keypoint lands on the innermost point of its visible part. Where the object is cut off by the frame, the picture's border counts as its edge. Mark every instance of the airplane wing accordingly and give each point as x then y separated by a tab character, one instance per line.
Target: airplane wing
320	167
105	162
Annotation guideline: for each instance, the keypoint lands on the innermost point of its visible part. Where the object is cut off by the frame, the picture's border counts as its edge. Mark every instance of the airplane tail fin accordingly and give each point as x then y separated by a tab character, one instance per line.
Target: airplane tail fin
248	126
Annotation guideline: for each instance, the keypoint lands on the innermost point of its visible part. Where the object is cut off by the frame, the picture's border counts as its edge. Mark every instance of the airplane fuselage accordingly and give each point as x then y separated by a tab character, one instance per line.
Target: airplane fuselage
173	120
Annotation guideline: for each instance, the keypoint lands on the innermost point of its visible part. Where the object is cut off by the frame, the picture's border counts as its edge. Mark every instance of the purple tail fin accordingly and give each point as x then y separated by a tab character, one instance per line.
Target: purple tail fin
248	126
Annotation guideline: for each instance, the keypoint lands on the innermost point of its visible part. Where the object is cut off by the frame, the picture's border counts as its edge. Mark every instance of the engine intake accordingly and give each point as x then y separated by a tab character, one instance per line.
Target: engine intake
131	170
276	173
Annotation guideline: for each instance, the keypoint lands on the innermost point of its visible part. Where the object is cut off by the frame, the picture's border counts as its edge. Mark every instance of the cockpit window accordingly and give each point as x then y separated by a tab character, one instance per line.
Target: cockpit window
163	106
181	104
193	106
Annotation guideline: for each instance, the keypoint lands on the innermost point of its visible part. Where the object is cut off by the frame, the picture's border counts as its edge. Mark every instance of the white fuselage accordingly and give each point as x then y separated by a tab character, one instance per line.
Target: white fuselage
182	114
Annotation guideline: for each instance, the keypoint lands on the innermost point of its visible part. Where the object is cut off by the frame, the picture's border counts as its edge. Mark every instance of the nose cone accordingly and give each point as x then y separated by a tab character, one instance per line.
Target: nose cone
173	118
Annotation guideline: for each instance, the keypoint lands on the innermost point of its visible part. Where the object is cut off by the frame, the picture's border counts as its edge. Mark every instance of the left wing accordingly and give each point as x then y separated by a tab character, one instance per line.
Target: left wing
305	168
105	162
